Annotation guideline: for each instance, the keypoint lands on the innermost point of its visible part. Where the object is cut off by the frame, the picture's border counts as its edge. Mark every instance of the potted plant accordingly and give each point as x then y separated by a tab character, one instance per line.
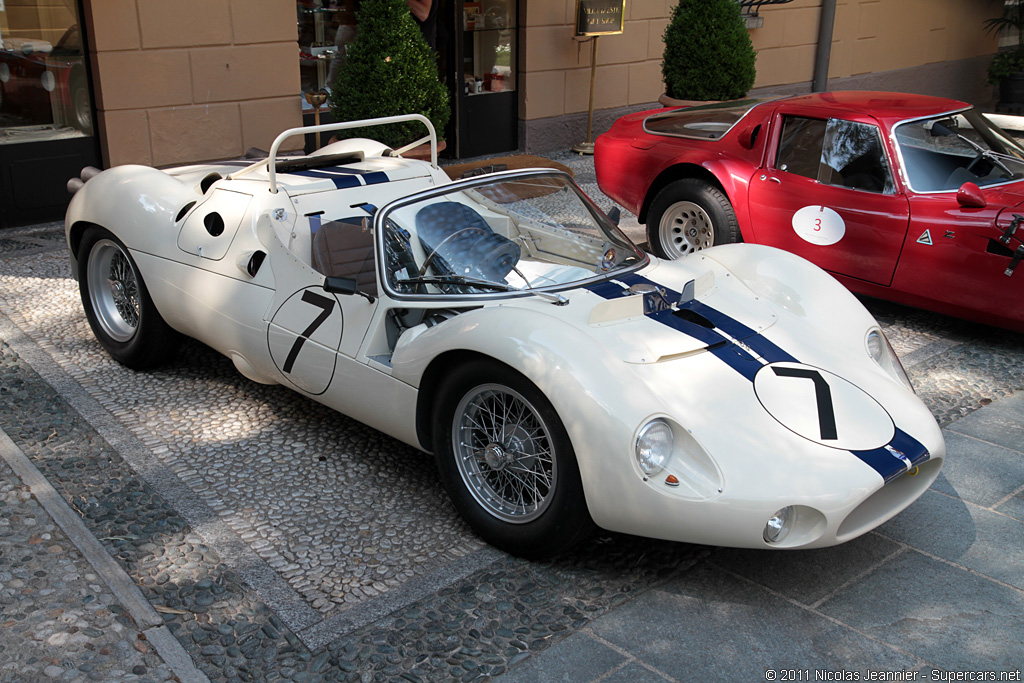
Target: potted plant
1007	67
708	53
389	70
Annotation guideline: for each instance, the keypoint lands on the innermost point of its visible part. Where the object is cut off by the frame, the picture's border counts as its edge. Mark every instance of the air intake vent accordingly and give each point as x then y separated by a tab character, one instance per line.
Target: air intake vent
694	317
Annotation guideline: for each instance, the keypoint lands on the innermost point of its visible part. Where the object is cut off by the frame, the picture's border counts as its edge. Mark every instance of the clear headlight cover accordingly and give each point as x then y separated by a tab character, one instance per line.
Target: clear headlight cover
881	352
778	525
654	446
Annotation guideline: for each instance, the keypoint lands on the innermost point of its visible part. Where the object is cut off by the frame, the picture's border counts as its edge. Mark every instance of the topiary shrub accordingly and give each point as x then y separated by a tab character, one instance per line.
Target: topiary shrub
389	70
708	54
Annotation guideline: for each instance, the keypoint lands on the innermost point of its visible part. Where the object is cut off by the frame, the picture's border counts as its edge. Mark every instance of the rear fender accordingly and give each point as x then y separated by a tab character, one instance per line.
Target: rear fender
138	204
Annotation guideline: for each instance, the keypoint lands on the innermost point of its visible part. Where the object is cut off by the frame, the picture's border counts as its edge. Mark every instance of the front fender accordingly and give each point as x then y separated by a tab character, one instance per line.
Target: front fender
596	395
138	204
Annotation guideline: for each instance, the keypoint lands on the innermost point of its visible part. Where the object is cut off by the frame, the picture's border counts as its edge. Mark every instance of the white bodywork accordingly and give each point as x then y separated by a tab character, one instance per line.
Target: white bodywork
741	397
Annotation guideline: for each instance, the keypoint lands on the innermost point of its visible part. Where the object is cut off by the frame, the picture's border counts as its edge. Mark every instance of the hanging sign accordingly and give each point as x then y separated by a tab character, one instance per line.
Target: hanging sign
600	17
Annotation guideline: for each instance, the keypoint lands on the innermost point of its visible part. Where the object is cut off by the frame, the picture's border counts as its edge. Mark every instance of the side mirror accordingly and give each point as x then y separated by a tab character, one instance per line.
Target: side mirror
346	286
614	215
340	285
970	196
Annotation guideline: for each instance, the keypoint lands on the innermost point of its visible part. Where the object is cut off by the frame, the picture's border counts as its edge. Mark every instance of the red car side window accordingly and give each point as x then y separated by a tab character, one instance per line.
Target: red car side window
853	157
800	146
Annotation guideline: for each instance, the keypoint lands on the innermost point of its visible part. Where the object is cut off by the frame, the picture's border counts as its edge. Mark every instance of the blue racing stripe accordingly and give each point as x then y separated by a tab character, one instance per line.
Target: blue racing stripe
340	181
375	177
891	465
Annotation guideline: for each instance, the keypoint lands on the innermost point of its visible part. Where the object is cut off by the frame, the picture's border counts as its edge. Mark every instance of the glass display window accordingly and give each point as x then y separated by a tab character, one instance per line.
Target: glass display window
488	51
44	83
325	30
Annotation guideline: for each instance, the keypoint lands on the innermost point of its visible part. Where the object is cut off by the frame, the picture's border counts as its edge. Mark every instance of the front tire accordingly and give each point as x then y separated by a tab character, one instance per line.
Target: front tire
507	463
688	215
116	302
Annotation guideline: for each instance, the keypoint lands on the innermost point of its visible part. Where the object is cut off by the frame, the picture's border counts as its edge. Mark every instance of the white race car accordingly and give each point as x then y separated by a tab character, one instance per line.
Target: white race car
739	396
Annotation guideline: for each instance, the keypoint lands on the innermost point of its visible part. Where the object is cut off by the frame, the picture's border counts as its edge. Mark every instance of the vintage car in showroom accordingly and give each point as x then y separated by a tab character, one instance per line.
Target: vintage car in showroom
561	377
46	84
907	198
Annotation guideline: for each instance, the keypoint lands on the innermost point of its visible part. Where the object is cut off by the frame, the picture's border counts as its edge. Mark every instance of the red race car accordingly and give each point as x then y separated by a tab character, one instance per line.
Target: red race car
907	198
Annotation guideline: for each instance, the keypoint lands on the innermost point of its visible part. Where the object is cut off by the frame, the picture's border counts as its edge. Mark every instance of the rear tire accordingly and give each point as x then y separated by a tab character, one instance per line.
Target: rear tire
507	463
688	215
116	302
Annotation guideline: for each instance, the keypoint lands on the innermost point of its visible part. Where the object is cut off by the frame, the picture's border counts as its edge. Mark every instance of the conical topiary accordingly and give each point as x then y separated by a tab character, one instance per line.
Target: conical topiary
708	54
389	70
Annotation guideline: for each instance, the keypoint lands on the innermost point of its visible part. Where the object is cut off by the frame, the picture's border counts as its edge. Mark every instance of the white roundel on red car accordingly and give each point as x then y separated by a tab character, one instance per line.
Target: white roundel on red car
823	407
819	225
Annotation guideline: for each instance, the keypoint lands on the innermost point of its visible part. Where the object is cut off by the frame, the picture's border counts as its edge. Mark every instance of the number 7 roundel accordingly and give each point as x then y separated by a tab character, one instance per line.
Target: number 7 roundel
304	336
823	407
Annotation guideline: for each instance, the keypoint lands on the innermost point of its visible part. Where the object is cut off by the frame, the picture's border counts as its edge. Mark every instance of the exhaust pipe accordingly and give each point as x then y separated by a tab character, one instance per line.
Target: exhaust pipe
75	184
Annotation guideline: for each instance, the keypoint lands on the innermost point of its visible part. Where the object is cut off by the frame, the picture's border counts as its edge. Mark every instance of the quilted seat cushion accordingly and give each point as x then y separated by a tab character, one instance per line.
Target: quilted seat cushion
464	242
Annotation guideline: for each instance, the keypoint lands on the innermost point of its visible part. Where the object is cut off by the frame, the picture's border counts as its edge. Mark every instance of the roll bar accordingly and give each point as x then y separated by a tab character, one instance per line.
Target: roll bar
271	161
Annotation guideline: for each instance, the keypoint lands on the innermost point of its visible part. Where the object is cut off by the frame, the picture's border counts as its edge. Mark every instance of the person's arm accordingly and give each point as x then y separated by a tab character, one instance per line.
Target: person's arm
419	8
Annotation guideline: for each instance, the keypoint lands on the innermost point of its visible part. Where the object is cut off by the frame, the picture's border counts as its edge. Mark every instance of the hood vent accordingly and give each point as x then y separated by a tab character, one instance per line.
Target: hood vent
694	317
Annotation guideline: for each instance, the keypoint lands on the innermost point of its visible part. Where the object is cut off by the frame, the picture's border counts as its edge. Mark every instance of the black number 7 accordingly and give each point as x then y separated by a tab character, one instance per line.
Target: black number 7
823	395
326	305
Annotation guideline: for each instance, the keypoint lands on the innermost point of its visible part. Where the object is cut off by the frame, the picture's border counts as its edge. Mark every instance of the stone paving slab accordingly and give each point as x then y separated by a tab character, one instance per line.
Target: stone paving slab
810	576
1000	425
579	657
979	472
953	619
706	623
983	541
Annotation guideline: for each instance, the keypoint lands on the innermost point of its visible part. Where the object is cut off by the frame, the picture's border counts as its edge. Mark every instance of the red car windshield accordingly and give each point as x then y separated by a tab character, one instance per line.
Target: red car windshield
942	153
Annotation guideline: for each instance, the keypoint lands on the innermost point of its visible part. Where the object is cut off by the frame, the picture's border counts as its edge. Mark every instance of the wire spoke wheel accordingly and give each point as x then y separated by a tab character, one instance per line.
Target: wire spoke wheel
114	290
504	453
685	228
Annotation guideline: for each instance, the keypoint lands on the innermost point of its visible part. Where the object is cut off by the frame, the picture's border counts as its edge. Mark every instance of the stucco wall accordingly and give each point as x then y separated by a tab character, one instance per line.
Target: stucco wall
869	36
192	80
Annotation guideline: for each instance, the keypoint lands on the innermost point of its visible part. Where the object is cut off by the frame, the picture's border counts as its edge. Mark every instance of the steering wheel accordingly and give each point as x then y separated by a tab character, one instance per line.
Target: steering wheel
993	161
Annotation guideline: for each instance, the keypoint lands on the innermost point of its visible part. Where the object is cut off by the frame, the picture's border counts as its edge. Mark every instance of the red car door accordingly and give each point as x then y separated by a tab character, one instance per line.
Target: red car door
826	192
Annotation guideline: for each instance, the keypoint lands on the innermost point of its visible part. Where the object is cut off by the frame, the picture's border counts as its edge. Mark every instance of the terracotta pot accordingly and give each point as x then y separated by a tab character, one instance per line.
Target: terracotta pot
423	151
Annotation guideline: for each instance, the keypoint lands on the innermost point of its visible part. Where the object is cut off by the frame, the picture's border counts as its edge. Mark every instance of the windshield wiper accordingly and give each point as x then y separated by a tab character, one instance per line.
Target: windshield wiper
465	280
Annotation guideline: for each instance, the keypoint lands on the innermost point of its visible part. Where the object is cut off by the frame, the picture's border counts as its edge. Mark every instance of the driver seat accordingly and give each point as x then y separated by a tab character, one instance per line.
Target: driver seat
464	242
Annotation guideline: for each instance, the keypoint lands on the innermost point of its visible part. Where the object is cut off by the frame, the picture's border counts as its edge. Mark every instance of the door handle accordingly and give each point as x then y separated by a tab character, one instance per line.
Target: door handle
765	176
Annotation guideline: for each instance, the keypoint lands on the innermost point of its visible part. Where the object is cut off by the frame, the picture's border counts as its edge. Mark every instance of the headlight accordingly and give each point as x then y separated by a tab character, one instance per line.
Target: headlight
881	352
779	524
654	446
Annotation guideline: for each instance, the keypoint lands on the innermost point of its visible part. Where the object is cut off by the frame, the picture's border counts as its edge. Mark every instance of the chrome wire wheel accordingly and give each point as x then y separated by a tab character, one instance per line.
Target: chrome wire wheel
504	453
113	290
686	227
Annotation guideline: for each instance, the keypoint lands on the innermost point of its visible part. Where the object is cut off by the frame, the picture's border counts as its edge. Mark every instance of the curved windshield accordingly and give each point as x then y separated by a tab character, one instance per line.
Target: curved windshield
944	152
528	231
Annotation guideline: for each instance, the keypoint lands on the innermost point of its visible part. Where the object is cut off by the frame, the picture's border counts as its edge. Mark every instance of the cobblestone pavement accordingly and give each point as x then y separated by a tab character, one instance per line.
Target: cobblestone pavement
283	541
58	617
